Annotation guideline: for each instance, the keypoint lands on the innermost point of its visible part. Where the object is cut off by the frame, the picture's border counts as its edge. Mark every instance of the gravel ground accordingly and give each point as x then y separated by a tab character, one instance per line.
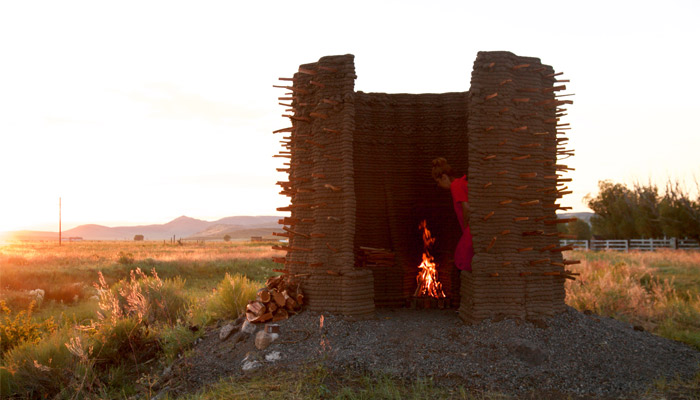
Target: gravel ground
572	353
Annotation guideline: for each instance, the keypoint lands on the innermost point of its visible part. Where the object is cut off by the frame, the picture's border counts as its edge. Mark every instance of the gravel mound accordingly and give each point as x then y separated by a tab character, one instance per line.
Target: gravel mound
571	353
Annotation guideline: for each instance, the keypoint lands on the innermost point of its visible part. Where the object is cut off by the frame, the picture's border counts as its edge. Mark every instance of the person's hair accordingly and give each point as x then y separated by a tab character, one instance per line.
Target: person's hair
441	167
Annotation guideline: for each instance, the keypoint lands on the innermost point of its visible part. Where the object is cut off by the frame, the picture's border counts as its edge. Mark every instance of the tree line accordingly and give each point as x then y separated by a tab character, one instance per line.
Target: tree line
640	211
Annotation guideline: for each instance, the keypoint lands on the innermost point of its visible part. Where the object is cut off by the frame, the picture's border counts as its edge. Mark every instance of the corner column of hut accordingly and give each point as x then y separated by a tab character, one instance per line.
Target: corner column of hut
322	225
512	191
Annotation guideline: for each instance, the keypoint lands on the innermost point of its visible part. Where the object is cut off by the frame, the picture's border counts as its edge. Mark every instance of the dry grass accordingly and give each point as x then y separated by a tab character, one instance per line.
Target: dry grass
657	291
66	272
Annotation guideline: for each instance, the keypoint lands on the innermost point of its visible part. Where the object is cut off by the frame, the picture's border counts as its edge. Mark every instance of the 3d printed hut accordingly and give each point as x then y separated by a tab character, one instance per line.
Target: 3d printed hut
359	181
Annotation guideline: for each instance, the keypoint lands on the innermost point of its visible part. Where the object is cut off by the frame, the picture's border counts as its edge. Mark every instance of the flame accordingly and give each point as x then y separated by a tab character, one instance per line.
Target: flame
428	284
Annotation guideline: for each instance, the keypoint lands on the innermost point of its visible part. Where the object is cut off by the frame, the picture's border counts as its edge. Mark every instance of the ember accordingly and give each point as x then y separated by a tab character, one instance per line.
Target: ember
428	284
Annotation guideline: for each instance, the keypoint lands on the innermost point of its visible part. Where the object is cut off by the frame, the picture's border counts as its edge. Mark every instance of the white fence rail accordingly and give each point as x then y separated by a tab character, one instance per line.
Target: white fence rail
633	244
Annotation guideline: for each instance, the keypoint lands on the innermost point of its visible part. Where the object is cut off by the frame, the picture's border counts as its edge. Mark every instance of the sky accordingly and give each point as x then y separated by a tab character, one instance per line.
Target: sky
137	112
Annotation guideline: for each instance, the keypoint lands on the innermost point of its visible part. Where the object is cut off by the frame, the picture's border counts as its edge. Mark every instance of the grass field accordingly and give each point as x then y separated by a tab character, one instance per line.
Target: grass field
151	294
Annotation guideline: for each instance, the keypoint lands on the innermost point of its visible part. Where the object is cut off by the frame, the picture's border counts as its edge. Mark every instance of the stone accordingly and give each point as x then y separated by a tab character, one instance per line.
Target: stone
248	327
240	337
251	365
264	339
227	330
639	328
273	356
239	320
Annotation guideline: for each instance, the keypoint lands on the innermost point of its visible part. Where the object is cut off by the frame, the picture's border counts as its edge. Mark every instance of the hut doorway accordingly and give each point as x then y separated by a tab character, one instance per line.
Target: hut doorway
396	138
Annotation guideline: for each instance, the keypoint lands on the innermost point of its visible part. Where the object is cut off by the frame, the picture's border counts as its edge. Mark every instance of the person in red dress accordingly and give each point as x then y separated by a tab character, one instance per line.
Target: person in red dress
446	178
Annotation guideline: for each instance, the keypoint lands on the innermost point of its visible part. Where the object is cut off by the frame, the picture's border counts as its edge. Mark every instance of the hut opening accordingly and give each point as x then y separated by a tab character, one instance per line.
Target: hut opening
360	184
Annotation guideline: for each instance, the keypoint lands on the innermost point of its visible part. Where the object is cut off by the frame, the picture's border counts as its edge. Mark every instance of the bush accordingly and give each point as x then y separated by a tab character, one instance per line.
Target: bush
146	298
232	295
39	370
124	341
125	258
20	328
138	238
227	238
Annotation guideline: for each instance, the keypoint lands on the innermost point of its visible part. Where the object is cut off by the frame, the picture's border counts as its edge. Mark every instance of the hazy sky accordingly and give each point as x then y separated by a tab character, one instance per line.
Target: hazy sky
139	112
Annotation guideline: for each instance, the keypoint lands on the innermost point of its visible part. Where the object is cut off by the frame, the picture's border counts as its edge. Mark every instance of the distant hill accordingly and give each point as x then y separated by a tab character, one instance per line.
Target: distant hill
181	227
586	216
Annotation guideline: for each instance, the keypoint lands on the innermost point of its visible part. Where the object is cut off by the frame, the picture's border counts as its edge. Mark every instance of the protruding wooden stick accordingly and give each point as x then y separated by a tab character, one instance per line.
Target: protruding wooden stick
547	247
531	145
292	88
505	232
294	117
491	96
506	263
490	128
518	158
561	249
520	219
285	104
489	157
318	115
520	66
313	143
530	203
329	69
524	249
562	80
318	235
503	110
493	274
319	176
519	129
290	129
491	244
527	175
331	130
553	75
282	156
503	82
319	84
502	172
489	215
331	248
570	262
307	71
331	187
504	202
554	89
522	187
502	142
487	184
296	233
539	261
491	65
287	98
331	102
287	79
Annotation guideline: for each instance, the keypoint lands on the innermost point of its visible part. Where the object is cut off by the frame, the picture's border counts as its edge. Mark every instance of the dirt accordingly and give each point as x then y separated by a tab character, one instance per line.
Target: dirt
571	353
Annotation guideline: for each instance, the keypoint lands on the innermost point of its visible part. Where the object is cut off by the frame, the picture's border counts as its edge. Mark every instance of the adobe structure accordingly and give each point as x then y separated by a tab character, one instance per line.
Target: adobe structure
360	183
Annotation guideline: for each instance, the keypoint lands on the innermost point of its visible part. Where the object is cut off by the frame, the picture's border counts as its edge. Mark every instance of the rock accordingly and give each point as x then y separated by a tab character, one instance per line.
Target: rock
264	339
240	337
639	328
273	356
251	365
248	327
226	331
239	320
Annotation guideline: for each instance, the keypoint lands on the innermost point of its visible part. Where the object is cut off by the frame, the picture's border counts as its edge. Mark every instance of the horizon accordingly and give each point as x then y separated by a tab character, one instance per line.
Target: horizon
174	115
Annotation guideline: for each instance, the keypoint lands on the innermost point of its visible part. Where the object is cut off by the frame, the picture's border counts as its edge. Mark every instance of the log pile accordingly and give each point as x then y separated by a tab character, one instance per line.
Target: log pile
280	298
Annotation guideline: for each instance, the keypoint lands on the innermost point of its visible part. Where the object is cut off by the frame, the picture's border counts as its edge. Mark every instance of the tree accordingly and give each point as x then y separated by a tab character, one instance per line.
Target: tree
679	214
138	238
227	238
614	211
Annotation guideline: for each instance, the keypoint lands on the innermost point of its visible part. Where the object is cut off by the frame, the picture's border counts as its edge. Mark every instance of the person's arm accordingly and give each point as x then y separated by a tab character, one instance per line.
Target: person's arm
465	213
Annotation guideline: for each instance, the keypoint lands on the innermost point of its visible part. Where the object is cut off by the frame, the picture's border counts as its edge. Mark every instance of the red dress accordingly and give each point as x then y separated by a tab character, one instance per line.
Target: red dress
465	248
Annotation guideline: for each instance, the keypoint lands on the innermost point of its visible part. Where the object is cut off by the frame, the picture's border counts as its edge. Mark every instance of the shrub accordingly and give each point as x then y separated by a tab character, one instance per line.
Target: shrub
124	341
41	369
232	295
227	238
175	339
125	258
146	298
138	238
20	328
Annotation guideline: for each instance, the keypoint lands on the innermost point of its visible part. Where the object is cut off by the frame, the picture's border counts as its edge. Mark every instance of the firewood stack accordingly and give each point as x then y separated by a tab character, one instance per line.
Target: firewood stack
280	298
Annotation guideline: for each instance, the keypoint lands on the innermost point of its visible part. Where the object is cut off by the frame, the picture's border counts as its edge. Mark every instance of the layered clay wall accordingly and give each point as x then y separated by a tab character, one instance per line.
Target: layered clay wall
359	175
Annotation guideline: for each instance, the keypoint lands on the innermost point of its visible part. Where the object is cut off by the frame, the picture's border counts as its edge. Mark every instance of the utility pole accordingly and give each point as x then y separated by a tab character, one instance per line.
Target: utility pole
59	221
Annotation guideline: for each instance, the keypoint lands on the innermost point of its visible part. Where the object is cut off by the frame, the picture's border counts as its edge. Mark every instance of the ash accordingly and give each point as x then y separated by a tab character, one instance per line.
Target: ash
569	354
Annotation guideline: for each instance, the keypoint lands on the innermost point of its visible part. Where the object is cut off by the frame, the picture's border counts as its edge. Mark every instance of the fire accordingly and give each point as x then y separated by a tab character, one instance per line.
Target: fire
428	284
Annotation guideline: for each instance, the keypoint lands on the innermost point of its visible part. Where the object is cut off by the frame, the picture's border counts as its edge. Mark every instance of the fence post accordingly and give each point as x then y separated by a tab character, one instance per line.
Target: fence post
627	246
674	243
587	245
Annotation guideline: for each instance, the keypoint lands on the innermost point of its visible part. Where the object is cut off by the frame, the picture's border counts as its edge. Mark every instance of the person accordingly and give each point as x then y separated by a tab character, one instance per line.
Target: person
446	178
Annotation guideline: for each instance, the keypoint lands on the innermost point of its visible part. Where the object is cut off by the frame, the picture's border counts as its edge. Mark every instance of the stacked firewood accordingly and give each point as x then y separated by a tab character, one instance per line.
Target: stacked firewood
280	298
